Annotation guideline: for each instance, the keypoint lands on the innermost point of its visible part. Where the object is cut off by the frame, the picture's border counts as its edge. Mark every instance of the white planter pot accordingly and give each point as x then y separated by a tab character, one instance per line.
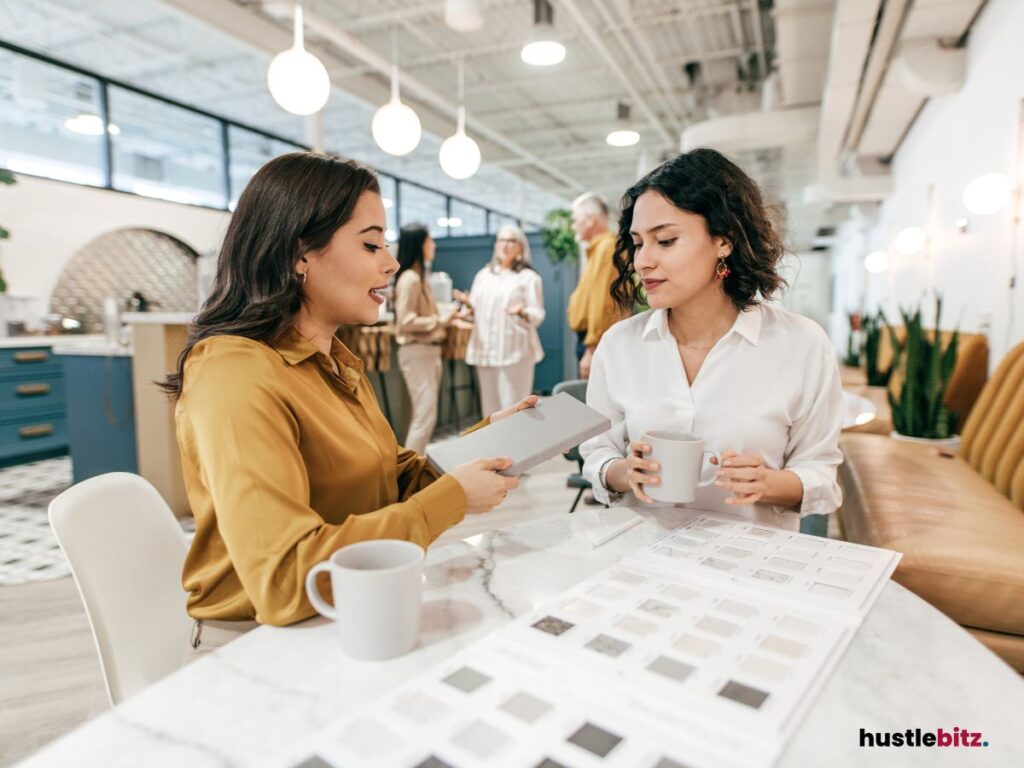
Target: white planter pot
951	443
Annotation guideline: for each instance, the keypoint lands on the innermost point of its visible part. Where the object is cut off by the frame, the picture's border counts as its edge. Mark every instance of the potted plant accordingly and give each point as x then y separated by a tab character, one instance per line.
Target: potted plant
6	177
923	369
852	358
874	326
559	239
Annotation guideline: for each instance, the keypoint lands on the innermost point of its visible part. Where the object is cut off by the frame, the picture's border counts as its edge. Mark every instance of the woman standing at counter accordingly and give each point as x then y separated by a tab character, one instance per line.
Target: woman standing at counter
420	332
759	384
507	303
285	453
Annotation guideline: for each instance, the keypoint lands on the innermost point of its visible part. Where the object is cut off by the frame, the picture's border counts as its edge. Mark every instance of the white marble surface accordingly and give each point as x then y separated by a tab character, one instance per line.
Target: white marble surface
908	667
15	342
98	348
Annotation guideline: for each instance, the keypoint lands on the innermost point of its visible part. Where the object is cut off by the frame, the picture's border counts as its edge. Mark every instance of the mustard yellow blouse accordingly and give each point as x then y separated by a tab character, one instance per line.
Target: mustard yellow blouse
284	462
591	307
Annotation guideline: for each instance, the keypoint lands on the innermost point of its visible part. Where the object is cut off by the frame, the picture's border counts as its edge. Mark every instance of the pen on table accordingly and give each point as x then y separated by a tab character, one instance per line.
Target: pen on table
617	531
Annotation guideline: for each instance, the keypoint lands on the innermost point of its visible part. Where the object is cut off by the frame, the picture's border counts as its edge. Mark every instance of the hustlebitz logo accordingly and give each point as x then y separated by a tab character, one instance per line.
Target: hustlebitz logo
958	737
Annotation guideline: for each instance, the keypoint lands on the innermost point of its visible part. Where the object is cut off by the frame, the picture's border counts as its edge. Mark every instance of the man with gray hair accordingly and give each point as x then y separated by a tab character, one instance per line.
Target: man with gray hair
591	309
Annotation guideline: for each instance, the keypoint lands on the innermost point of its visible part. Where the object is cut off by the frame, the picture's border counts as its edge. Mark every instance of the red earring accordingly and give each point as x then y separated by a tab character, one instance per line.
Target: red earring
722	271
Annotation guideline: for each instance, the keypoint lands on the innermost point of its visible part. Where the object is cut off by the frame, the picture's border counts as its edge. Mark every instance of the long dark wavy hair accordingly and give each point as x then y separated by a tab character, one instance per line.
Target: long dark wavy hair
707	183
410	248
292	206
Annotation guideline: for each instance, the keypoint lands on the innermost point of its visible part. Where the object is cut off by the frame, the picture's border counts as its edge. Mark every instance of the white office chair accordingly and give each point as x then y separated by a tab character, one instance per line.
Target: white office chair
126	551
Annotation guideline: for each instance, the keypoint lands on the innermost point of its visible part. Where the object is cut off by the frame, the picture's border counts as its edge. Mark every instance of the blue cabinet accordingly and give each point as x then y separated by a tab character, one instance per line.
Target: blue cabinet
100	414
33	422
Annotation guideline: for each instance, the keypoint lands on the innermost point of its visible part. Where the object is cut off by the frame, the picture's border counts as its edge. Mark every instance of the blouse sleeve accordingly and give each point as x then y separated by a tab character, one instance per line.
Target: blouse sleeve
813	451
607	445
534	308
246	440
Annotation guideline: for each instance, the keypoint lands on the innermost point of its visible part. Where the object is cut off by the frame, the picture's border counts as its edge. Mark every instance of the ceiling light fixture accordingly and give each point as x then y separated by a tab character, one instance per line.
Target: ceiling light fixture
463	15
543	48
459	155
910	241
396	127
876	261
297	79
624	135
89	125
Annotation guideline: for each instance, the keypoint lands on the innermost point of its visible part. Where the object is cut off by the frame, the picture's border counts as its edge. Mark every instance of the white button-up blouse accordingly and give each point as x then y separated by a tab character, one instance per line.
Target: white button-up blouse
498	338
769	386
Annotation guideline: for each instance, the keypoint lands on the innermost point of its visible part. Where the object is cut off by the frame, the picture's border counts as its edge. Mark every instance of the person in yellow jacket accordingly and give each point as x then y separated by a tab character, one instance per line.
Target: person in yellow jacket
285	454
591	310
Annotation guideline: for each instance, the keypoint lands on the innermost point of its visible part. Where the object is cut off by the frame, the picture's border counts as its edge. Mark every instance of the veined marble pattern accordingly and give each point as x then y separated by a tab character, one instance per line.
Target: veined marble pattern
908	667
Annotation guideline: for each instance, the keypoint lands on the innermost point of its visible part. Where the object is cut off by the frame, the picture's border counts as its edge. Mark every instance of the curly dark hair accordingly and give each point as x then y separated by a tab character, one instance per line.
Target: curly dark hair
707	183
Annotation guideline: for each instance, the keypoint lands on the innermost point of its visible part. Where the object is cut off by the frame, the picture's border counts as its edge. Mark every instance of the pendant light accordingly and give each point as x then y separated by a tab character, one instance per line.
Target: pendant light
297	79
395	127
623	135
543	48
463	15
459	155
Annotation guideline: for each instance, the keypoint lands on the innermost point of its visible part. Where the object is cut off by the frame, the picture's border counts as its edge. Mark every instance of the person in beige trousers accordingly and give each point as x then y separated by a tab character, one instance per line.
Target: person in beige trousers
420	332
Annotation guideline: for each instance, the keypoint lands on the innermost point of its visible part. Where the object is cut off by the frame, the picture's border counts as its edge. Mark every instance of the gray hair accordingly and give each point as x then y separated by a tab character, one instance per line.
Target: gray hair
525	262
591	203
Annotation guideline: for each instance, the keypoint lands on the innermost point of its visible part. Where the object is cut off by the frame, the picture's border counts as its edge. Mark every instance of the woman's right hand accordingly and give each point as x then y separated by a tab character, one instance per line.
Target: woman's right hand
641	471
483	486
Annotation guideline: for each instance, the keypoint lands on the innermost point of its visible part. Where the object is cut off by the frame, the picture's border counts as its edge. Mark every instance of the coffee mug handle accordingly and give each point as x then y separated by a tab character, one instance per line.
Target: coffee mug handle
705	483
313	593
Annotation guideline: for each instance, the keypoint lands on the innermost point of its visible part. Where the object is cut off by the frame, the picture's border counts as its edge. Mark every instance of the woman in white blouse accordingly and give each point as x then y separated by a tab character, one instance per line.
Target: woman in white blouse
758	383
507	303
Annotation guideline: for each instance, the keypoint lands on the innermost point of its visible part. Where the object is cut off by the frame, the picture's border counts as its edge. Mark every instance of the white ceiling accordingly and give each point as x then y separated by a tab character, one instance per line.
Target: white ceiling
541	129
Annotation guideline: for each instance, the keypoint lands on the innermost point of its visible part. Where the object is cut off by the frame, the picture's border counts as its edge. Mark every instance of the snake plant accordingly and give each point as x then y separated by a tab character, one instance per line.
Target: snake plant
925	368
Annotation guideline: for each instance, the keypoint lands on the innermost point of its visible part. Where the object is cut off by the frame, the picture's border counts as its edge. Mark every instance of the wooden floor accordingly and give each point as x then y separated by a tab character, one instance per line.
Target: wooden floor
50	679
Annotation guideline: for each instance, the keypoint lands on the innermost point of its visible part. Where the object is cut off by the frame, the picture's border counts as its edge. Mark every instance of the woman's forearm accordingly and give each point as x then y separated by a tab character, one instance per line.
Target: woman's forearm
784	489
615	476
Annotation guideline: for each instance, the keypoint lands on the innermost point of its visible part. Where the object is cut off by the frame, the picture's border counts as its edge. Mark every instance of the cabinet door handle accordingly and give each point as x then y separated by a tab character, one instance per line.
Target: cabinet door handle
36	430
33	356
28	390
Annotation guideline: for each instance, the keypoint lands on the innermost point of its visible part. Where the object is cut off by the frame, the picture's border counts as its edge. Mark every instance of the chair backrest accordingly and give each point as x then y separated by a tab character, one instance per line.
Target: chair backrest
575	387
578	389
126	551
992	440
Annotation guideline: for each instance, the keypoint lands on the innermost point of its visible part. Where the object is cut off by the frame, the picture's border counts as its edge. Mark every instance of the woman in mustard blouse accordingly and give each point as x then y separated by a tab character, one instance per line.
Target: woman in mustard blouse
285	453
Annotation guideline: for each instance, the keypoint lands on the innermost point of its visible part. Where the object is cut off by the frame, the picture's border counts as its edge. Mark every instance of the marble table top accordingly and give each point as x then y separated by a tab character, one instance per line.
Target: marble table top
908	667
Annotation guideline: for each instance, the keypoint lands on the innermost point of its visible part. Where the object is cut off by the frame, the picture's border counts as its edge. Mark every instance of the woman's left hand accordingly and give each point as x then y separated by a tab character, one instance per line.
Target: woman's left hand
744	474
522	405
516	310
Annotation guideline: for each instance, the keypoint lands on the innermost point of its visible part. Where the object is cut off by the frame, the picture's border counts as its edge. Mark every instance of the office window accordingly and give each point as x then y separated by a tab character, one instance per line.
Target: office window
426	207
499	220
467	219
164	151
249	151
50	121
388	193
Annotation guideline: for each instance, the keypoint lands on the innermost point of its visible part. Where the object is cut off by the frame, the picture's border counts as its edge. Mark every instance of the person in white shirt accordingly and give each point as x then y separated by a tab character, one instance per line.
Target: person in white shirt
758	383
507	304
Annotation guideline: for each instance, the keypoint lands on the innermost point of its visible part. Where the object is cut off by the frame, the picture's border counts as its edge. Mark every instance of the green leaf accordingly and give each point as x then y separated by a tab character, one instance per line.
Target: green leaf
6	177
559	239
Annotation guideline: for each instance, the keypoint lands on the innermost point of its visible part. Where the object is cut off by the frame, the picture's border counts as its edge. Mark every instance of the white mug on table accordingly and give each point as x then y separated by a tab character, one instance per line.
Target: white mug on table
378	589
681	456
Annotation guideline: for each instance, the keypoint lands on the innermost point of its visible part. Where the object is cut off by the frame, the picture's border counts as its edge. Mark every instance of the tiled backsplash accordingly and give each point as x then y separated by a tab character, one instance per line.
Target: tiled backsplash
119	263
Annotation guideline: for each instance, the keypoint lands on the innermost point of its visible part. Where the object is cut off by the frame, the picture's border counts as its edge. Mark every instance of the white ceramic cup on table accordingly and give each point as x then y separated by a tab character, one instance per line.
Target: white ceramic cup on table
378	590
681	456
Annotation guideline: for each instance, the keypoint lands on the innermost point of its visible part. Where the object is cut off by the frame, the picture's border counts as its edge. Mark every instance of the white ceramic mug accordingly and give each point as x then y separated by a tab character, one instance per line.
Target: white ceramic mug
681	456
378	589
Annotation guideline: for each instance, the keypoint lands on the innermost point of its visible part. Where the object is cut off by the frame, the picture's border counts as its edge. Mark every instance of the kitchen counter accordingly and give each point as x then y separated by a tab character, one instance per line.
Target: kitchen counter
16	342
